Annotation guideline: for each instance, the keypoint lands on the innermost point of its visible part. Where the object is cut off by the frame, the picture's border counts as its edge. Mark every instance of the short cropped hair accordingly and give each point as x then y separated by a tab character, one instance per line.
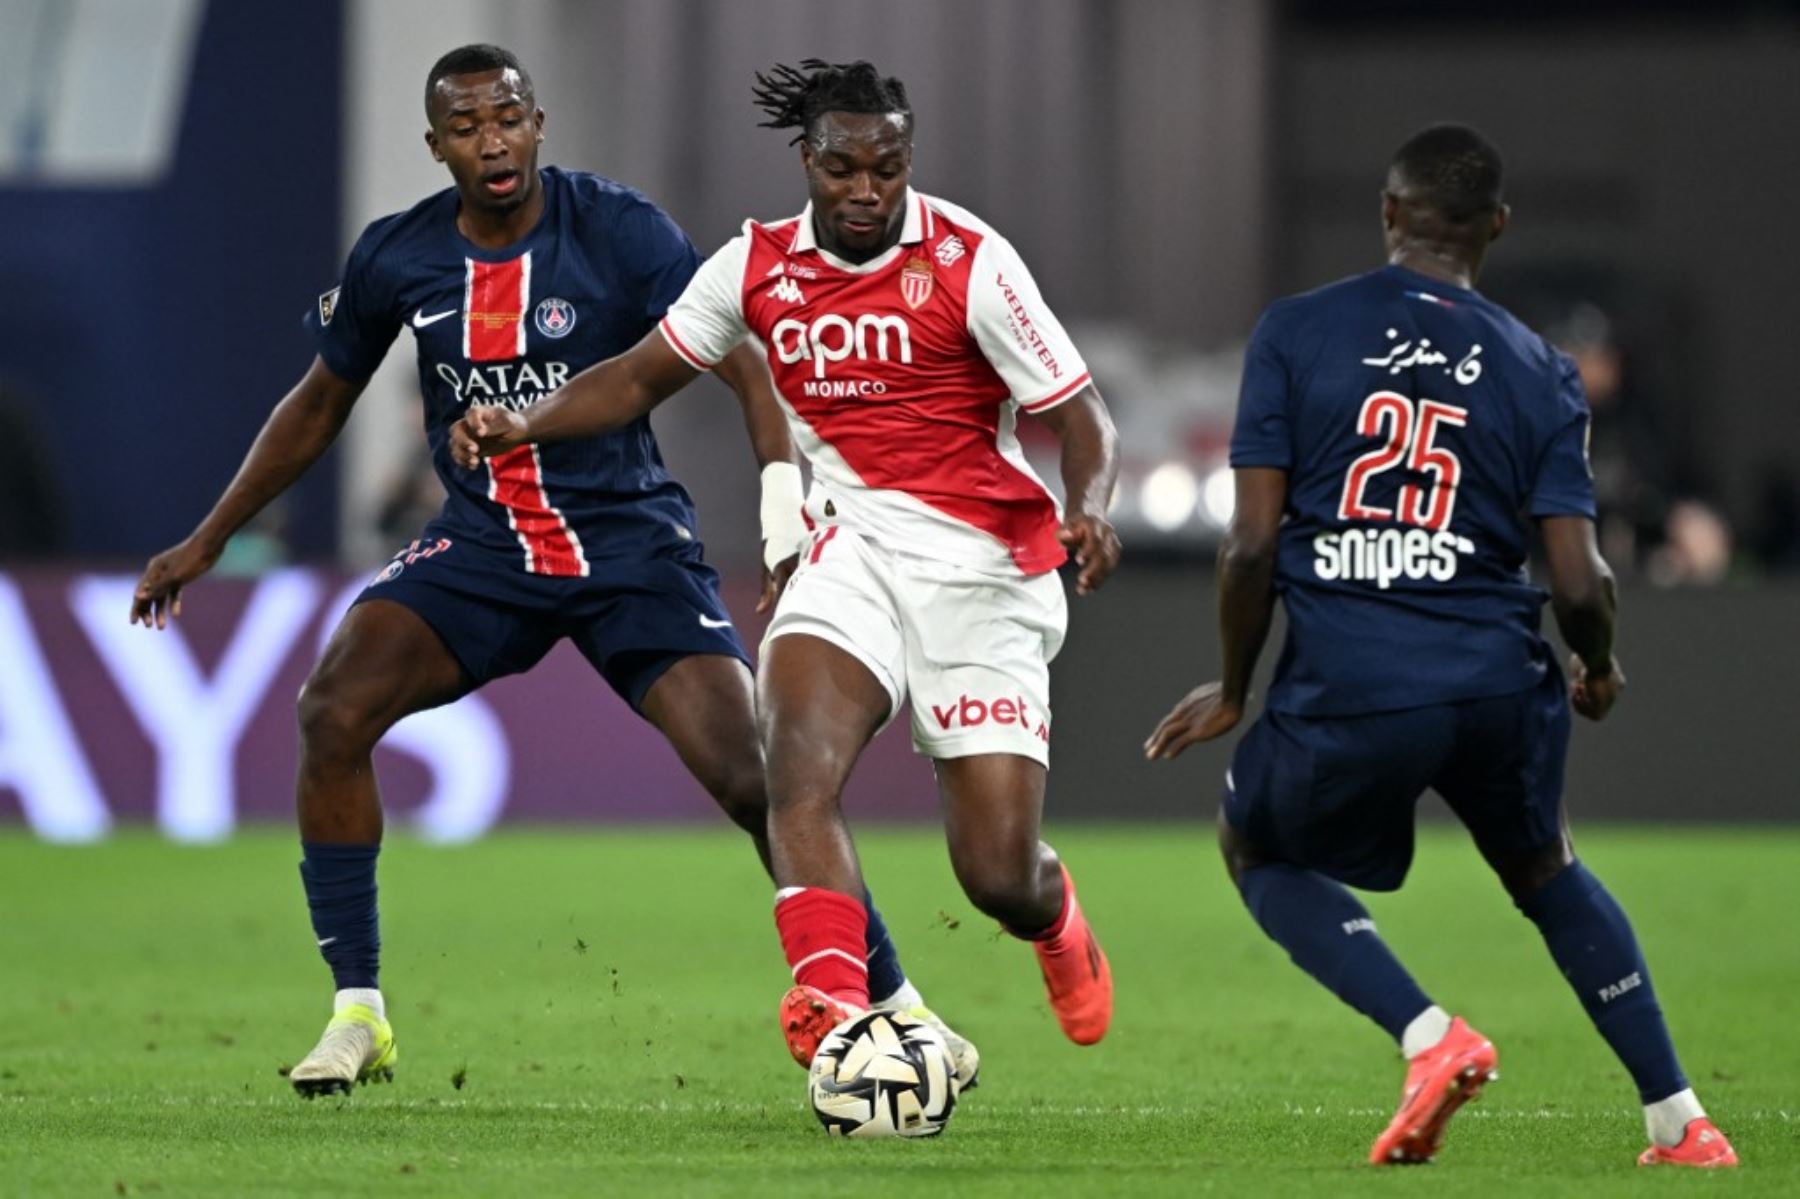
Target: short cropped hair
474	59
1453	169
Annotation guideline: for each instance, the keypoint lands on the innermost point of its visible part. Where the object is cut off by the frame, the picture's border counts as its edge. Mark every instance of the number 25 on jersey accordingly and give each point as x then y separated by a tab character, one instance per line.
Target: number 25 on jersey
1410	429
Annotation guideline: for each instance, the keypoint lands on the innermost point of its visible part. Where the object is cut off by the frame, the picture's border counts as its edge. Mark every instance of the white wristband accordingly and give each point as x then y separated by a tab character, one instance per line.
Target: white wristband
783	526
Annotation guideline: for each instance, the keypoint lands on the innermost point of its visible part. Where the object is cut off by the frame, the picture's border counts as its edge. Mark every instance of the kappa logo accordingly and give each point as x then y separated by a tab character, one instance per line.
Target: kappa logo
328	305
949	250
788	291
554	317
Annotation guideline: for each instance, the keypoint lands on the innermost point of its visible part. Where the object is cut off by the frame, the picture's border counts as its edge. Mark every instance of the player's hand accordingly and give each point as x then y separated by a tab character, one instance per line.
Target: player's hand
1202	714
157	599
1594	695
485	432
776	581
1095	548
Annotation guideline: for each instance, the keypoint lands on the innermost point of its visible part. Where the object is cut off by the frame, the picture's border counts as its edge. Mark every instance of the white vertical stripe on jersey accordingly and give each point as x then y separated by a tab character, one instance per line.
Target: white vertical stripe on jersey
525	315
468	302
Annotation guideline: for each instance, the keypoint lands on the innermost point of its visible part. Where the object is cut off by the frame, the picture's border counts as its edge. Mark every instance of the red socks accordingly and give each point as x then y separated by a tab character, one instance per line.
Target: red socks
822	933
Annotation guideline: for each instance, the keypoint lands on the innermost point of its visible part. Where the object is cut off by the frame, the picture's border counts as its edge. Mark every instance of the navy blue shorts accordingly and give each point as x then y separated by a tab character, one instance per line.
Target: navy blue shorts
1336	794
632	619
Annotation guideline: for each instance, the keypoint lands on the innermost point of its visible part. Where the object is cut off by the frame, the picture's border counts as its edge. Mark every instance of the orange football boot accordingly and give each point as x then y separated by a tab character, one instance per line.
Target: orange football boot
1076	974
807	1016
1438	1081
1702	1146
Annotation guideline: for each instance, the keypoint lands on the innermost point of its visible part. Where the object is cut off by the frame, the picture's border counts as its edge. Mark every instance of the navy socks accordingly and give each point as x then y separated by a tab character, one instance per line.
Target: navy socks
1593	945
340	891
885	974
1331	937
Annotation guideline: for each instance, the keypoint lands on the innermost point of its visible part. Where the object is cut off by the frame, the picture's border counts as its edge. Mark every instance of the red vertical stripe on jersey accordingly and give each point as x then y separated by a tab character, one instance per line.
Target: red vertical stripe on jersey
495	296
516	483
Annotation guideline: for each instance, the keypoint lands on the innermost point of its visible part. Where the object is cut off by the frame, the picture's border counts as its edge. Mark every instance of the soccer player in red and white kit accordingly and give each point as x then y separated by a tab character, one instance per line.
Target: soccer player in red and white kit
904	336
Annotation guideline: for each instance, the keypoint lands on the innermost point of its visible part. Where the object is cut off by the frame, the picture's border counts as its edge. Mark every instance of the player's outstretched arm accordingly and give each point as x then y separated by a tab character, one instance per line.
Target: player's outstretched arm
783	496
601	399
1585	599
1246	608
1090	468
299	430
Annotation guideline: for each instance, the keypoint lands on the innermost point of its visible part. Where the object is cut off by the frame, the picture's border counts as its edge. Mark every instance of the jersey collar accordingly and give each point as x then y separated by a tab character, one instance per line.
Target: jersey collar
914	229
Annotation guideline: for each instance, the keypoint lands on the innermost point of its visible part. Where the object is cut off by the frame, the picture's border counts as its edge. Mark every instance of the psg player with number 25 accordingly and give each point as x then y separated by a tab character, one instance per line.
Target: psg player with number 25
905	336
1398	435
513	281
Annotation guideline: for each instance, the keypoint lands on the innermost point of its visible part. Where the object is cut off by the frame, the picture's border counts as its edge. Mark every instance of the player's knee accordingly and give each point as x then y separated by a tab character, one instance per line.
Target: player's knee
742	795
1012	895
331	723
1525	874
1240	855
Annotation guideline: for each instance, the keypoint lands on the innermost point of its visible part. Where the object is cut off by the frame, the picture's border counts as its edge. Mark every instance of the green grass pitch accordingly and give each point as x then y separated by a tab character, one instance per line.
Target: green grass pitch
593	1012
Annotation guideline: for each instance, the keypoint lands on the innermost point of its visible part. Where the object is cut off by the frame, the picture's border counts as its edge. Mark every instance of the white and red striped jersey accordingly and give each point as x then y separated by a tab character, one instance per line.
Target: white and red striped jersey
901	377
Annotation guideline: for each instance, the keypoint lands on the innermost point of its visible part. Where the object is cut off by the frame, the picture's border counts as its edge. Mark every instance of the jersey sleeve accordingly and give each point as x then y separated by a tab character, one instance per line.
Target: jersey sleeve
1018	334
1564	484
707	321
1261	436
662	259
354	323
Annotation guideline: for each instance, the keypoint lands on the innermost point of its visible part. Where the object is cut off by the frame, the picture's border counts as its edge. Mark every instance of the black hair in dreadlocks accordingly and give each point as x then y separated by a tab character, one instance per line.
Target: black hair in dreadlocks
795	97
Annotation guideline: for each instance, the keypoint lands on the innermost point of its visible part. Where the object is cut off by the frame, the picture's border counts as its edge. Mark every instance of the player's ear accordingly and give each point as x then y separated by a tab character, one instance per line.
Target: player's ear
1502	216
1390	211
538	116
432	142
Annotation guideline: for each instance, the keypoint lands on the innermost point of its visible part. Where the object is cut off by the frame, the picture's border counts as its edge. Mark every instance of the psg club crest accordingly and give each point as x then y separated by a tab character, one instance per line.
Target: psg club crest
554	317
915	281
328	305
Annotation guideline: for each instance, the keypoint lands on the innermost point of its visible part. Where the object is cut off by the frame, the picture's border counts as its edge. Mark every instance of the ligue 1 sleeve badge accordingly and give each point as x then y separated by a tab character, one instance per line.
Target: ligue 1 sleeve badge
554	317
915	281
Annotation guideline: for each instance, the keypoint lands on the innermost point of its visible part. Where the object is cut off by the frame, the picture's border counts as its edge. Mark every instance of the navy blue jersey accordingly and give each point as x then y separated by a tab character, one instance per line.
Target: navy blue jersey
1421	426
507	327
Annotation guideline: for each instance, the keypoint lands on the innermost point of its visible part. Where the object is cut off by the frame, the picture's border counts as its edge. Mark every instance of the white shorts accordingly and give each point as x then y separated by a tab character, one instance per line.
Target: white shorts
973	649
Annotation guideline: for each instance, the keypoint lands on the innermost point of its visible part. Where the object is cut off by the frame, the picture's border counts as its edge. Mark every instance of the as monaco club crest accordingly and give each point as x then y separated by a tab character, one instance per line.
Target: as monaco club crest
555	317
915	281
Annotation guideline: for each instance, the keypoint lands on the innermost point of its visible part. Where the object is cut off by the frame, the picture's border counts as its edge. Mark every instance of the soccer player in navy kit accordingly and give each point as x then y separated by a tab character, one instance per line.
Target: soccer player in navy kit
513	280
1395	432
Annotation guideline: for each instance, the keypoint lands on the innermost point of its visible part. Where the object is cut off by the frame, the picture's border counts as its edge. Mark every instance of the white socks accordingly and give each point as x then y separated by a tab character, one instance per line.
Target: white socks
1427	1029
369	997
903	999
1666	1120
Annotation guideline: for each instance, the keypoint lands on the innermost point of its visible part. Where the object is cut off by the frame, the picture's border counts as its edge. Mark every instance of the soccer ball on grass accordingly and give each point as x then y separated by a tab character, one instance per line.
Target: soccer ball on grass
883	1074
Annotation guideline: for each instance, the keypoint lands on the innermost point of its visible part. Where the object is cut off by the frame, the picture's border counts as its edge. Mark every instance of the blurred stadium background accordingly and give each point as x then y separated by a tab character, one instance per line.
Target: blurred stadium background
179	179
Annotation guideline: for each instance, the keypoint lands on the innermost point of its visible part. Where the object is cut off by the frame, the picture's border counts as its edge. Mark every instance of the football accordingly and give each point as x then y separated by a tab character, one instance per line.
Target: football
883	1074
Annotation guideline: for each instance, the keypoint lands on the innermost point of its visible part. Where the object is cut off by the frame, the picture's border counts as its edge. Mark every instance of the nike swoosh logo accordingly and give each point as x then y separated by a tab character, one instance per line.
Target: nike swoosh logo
707	622
326	941
420	320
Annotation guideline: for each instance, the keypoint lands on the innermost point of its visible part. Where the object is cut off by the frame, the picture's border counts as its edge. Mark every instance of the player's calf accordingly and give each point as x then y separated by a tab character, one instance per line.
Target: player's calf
1077	976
